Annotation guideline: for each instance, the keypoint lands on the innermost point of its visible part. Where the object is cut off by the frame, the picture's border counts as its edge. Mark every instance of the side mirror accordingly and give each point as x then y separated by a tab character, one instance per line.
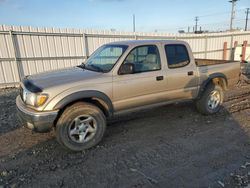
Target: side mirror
127	68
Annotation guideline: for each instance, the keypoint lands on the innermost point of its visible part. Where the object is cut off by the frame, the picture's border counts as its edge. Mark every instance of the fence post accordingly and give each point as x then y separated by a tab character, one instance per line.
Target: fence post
224	51
231	47
243	54
17	60
205	46
85	44
235	44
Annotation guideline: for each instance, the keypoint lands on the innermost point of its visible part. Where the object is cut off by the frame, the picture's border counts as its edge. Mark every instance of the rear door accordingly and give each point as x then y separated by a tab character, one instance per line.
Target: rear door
182	75
145	85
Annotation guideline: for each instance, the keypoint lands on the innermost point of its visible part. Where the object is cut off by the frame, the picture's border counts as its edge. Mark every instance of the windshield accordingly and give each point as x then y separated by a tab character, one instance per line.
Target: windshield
104	58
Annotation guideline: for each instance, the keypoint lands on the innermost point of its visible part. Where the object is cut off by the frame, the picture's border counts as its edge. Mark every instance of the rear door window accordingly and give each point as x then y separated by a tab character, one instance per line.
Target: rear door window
177	55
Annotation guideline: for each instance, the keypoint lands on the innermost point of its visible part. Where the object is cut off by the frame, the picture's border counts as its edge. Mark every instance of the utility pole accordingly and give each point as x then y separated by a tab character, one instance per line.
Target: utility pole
196	23
247	12
232	13
133	23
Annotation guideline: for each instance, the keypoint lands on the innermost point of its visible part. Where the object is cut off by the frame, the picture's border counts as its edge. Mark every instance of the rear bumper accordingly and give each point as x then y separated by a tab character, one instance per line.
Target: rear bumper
34	120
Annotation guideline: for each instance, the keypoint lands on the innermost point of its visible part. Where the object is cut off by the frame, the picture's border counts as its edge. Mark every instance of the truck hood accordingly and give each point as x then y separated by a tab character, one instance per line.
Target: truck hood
62	77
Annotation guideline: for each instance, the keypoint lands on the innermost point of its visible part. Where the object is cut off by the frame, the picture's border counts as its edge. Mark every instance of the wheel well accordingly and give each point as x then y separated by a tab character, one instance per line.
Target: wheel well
95	101
219	81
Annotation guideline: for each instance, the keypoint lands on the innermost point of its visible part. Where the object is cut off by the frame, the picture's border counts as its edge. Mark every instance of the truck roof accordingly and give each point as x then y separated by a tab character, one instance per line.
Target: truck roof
141	42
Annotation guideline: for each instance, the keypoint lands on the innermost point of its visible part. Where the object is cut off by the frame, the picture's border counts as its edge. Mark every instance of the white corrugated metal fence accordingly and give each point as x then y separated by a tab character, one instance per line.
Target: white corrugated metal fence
30	50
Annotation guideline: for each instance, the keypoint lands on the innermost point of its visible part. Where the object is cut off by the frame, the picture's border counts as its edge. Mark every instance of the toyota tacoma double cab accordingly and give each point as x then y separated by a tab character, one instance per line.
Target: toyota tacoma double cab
120	77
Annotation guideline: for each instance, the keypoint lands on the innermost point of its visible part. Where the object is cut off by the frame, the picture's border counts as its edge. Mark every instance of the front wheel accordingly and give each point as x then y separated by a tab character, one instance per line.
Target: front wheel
211	100
81	126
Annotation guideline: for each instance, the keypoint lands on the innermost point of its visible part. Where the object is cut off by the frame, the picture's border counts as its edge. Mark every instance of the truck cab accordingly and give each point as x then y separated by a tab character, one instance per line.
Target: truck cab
154	66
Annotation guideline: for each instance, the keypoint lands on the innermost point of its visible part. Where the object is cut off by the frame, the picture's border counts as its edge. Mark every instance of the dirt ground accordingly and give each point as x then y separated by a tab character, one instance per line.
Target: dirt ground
170	146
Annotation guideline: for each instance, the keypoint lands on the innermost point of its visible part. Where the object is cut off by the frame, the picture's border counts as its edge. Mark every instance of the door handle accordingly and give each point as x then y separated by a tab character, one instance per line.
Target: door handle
158	78
190	73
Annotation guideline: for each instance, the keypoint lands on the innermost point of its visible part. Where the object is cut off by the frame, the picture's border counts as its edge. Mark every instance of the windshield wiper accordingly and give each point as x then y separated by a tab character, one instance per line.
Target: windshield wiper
99	69
82	66
93	67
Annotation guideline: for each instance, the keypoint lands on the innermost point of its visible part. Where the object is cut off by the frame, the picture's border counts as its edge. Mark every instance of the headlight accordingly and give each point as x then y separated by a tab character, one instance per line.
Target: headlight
34	99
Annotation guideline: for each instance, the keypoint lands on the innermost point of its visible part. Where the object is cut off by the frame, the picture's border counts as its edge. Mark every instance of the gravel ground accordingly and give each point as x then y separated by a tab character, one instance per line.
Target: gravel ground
170	146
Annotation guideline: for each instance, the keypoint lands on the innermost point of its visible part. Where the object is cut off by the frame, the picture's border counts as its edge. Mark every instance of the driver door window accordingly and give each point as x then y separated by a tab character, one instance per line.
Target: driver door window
144	59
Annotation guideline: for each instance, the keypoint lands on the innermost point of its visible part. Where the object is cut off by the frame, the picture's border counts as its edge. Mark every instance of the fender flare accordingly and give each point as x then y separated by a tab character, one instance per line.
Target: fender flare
208	80
101	97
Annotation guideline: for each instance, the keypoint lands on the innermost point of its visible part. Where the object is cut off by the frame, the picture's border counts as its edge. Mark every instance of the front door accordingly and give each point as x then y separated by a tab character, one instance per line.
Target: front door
146	85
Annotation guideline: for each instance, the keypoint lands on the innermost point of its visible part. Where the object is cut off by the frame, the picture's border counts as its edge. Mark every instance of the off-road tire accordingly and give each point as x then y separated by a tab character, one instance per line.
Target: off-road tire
202	103
65	120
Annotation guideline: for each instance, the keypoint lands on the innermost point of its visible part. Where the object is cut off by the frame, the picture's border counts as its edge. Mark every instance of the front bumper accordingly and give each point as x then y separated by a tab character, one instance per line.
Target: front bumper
34	120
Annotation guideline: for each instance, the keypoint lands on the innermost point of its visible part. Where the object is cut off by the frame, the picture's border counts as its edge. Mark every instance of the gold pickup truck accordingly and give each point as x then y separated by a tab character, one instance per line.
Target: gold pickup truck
120	77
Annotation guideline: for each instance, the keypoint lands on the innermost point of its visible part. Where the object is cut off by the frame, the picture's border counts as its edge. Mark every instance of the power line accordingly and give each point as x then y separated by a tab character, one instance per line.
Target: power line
186	19
223	22
247	12
215	14
220	13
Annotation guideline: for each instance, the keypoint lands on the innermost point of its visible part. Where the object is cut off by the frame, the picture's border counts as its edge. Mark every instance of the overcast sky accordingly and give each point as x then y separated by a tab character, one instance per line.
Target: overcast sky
151	15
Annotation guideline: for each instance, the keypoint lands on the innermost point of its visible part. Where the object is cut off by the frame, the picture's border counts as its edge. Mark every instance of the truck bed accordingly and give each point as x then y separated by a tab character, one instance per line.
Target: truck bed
230	69
206	62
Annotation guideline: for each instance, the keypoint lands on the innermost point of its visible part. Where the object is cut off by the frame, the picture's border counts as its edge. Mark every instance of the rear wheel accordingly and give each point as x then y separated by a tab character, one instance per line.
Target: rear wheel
211	100
81	126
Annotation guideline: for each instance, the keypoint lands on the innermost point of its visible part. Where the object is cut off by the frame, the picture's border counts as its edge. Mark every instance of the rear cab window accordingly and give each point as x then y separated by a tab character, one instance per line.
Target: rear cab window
177	55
